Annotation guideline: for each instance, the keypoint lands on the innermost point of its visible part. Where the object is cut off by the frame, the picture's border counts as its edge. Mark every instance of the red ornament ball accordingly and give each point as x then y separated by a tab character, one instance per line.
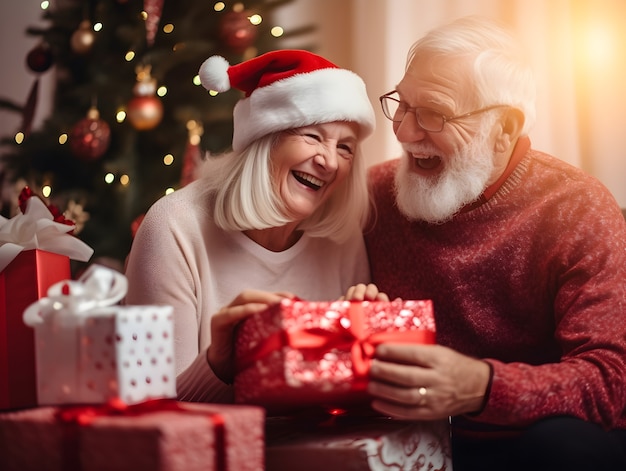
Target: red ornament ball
40	58
236	31
144	112
90	137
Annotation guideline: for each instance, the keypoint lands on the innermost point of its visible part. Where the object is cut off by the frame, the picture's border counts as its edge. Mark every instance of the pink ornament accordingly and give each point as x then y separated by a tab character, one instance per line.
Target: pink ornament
153	9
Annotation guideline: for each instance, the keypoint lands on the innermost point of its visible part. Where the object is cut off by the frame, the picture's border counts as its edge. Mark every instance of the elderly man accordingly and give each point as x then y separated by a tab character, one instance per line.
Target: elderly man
523	255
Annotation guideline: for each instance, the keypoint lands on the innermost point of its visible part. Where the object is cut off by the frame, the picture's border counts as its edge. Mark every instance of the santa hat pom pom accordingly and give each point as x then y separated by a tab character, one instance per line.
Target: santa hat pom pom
214	74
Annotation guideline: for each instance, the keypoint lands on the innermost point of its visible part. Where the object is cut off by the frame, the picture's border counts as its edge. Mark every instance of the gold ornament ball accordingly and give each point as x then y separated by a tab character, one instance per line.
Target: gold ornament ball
83	38
144	112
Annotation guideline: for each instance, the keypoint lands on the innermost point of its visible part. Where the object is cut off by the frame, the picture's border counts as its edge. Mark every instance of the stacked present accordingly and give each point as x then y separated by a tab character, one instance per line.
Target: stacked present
87	384
356	443
159	435
307	363
35	251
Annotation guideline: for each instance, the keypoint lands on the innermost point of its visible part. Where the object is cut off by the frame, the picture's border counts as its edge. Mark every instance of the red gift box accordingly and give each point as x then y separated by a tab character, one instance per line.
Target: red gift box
379	444
155	436
25	280
300	354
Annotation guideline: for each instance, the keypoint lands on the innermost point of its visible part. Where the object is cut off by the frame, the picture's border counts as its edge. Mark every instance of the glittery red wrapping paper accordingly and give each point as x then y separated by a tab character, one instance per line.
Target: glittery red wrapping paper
169	440
300	355
25	280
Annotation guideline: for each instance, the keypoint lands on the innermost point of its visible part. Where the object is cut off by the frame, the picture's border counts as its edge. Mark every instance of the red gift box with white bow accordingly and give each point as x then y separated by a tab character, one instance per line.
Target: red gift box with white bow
36	246
301	354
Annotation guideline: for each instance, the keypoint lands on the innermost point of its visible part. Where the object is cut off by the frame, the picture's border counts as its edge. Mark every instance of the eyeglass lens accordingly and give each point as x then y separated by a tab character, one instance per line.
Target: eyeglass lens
429	120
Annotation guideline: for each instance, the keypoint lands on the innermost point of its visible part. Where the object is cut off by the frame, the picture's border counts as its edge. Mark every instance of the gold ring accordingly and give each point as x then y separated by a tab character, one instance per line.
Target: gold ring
422	392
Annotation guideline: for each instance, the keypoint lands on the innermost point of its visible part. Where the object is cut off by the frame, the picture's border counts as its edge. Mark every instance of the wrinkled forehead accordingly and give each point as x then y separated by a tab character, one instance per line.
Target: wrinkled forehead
447	76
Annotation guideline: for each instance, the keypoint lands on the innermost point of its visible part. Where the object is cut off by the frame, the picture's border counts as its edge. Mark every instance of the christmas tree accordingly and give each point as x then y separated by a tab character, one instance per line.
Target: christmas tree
130	120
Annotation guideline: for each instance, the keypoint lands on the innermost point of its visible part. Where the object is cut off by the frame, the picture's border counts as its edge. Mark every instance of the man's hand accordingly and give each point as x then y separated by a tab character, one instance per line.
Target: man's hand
426	382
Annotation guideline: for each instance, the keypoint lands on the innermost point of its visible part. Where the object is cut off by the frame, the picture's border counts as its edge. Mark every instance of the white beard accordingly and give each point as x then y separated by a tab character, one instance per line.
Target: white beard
465	177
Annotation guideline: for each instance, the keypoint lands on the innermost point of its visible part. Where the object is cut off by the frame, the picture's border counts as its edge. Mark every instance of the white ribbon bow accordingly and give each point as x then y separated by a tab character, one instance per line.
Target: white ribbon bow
98	287
36	229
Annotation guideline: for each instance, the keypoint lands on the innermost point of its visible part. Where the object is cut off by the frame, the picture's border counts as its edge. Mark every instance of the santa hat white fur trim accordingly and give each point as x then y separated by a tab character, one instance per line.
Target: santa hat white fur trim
321	96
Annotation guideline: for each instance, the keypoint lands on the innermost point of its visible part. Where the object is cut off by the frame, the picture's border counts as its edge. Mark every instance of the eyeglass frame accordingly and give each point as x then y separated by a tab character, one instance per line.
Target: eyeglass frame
444	119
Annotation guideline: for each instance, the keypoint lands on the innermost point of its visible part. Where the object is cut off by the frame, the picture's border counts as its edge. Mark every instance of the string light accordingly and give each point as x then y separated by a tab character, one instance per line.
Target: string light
168	28
168	159
63	138
19	137
162	90
219	6
130	55
196	80
97	27
45	5
169	190
120	116
255	19
109	178
124	180
277	31
46	191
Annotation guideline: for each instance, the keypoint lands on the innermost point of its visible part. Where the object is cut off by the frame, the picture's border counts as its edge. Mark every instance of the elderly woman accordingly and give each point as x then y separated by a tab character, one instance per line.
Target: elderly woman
280	215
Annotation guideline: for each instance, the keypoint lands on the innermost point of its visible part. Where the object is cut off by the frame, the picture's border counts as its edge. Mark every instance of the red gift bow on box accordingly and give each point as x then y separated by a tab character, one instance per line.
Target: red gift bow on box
351	337
75	417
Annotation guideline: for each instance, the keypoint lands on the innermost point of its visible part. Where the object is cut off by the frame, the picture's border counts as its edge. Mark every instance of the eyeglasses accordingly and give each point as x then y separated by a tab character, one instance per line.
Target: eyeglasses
429	120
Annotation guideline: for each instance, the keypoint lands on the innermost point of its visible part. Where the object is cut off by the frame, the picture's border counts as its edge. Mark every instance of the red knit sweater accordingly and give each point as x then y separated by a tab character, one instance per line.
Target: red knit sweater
533	280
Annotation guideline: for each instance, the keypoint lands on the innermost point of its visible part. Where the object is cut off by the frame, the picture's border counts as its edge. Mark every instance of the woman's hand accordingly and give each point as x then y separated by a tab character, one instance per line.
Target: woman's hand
363	292
220	353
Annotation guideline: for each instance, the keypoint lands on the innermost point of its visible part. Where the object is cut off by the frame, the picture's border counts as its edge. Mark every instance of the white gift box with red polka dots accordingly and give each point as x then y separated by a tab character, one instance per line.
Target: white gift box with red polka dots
91	350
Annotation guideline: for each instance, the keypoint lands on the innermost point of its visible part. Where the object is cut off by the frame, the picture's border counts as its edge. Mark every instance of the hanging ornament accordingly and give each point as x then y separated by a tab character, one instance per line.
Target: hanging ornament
90	137
236	31
40	58
144	110
193	154
83	38
153	10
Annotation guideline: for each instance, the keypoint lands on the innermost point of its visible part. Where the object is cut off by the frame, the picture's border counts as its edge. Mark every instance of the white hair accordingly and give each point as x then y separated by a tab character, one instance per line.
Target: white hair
501	73
244	196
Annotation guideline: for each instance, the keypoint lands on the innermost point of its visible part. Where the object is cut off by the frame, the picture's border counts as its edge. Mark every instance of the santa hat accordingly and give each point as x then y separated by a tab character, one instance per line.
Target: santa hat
287	89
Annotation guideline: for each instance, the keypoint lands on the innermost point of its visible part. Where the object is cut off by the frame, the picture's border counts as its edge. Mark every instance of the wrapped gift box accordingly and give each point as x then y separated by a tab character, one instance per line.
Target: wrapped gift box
35	251
300	354
25	279
180	437
351	444
90	350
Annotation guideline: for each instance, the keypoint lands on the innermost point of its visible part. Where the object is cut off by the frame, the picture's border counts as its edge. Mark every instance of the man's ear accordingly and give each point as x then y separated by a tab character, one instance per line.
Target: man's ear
511	124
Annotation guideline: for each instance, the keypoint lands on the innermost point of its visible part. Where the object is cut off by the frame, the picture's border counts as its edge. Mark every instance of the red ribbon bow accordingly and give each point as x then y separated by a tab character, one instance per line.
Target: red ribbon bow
351	335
